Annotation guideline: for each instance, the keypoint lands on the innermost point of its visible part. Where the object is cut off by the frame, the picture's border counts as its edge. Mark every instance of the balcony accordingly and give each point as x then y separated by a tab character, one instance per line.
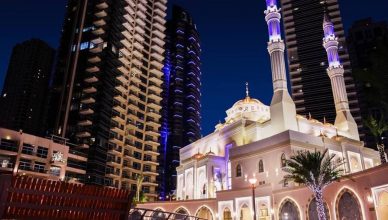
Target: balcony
119	119
119	109
158	41
87	111
129	10
126	43
101	14
128	26
122	78
93	69
120	99
94	59
102	5
160	27
88	100
116	140
99	23
139	38
83	134
155	97
157	64
118	130
96	48
127	35
152	132
155	80
161	6
121	89
115	150
155	88
159	19
159	57
89	90
157	48
138	46
92	79
84	146
139	30
137	54
97	41
129	18
98	31
124	60
160	12
140	22
85	123
136	61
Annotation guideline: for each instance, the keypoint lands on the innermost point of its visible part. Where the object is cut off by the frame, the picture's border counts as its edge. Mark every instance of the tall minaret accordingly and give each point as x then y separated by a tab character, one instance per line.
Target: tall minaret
283	112
344	120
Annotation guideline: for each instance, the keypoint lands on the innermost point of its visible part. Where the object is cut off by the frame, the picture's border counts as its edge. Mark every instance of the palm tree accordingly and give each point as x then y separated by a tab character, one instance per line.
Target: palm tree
377	128
139	183
316	170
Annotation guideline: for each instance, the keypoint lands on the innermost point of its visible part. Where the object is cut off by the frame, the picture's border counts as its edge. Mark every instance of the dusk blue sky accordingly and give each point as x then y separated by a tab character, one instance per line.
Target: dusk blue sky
233	35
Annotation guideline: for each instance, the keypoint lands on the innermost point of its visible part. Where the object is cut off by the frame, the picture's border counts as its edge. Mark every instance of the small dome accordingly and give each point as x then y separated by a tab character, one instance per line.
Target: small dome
197	156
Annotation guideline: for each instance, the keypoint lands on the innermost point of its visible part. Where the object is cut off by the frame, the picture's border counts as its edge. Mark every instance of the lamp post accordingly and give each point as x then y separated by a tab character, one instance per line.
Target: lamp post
253	181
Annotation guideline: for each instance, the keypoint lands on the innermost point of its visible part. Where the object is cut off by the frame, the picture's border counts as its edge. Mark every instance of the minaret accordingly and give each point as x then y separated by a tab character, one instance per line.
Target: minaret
344	120
283	112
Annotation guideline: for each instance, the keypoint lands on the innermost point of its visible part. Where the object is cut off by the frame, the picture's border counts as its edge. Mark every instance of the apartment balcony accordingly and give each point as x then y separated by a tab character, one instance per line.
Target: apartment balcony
85	123
119	119
158	40
136	61
135	70
101	14
126	43
139	30
133	97
140	22
122	78
123	70
94	59
93	69
160	5
155	88
145	183
153	124
124	61
119	109
87	111
157	48
120	99
137	54
154	114
99	23
133	106
83	134
138	46
128	26
157	56
151	172
92	79
159	19
160	12
97	41
141	6
98	31
115	150
84	146
113	175
102	5
157	64
96	49
121	89
90	90
152	133
116	141
151	152
125	52
129	18
156	80
141	14
89	100
160	27
127	35
129	10
155	97
139	38
118	130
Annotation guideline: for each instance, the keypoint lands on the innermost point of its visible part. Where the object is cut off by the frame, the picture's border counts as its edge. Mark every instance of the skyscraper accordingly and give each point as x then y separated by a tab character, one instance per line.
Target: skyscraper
307	63
23	98
107	88
181	97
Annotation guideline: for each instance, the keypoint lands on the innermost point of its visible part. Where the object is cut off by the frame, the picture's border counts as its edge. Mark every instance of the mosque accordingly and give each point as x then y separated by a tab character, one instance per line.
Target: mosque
235	173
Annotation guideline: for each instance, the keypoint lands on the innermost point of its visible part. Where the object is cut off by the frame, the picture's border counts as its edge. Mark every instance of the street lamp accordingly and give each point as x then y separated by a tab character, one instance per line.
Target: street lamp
253	181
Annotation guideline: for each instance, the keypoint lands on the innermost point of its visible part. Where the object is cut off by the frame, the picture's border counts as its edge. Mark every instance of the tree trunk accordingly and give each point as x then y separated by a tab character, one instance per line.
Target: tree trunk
380	148
320	204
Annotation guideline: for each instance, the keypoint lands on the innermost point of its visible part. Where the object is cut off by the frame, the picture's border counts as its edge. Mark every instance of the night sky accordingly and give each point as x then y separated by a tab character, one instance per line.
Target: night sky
233	35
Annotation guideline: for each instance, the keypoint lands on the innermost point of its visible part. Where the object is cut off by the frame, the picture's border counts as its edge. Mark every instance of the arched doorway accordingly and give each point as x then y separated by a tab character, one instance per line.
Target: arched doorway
158	215
181	213
227	214
382	205
348	207
204	213
245	213
289	210
312	211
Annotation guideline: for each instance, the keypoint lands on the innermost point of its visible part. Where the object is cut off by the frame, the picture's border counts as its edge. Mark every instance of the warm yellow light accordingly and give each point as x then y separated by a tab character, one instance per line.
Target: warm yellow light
252	181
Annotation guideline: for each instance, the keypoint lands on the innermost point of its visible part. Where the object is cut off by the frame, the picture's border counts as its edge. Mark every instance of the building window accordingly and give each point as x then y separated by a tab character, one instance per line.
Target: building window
39	167
283	160
261	166
238	171
28	149
42	152
25	164
55	171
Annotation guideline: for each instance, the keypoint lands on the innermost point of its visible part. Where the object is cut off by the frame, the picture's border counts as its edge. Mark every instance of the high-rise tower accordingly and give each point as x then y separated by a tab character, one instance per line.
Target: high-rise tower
23	98
283	113
181	105
307	60
344	120
107	88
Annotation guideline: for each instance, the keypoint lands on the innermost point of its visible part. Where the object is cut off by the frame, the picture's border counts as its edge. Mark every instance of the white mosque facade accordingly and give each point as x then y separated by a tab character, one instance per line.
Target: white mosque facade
254	141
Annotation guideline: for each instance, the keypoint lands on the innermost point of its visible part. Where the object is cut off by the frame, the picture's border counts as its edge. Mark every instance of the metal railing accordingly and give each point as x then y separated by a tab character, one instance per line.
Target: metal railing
149	214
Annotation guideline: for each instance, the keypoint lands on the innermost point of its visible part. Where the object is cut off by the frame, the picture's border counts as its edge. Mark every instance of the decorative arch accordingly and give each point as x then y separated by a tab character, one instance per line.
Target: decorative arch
261	166
158	214
311	210
227	214
289	210
347	200
245	212
239	171
204	212
283	160
181	210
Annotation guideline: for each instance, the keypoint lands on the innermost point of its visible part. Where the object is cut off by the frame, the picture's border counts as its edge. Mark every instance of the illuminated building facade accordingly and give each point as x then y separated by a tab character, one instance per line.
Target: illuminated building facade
26	87
107	89
25	154
181	105
213	178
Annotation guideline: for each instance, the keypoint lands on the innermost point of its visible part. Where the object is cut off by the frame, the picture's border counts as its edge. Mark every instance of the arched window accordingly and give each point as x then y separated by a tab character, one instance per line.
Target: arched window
283	160
261	166
227	214
238	171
